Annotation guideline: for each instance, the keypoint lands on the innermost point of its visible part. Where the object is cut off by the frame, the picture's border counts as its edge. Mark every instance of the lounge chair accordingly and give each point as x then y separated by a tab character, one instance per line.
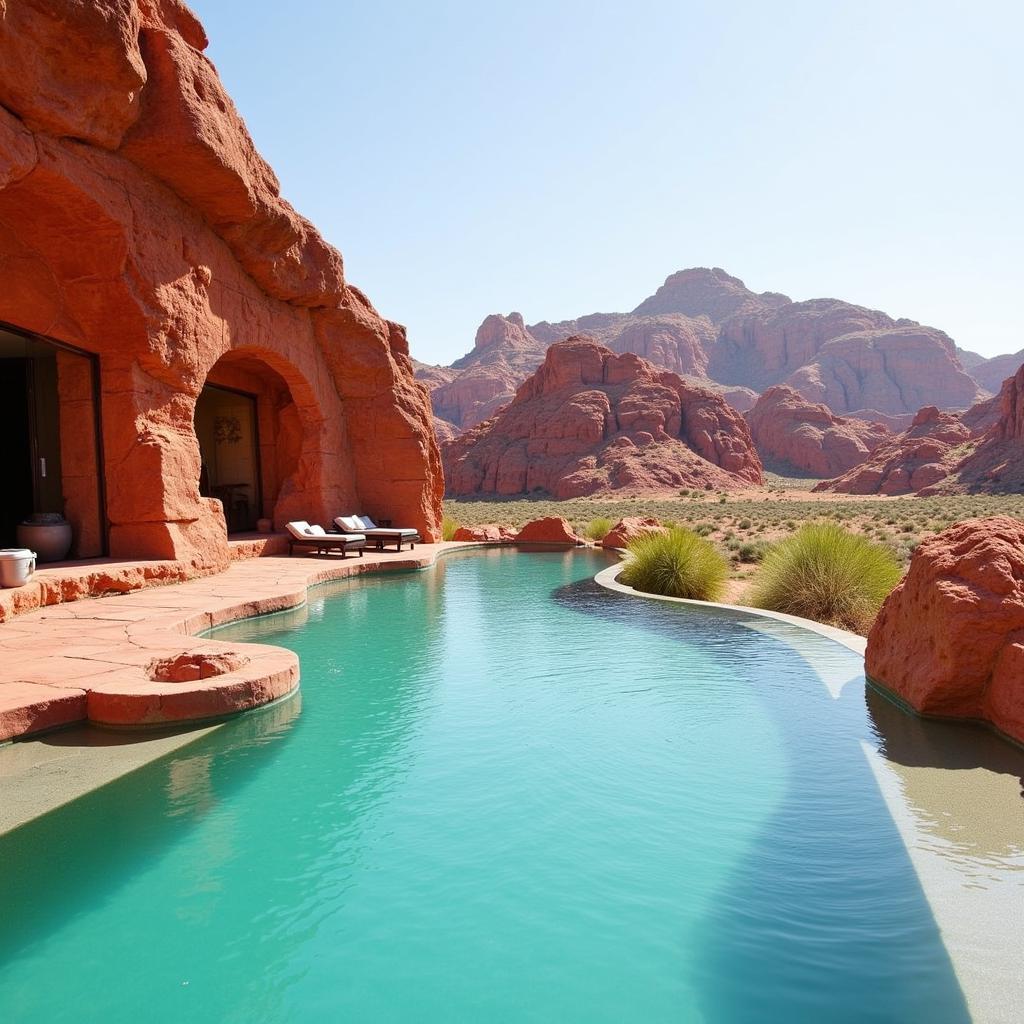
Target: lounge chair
378	535
302	535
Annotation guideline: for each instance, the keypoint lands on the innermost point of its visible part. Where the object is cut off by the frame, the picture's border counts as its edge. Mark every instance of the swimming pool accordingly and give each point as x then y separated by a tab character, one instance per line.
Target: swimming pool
502	794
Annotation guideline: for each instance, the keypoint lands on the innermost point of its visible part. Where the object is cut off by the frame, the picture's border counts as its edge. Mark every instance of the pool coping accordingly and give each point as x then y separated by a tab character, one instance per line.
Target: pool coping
968	921
608	578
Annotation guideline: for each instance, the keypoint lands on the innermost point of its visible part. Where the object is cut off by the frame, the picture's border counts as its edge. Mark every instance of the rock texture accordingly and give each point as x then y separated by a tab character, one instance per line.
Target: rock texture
549	530
504	354
949	640
138	222
792	433
707	325
990	373
921	456
489	533
979	450
996	462
590	421
628	529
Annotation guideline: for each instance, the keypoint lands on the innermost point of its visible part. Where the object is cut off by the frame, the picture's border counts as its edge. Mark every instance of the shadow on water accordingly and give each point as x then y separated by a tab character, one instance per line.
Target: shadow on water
56	865
824	918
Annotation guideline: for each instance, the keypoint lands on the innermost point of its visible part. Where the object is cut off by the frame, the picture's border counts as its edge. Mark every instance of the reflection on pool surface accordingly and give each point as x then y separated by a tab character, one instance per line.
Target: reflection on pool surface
505	795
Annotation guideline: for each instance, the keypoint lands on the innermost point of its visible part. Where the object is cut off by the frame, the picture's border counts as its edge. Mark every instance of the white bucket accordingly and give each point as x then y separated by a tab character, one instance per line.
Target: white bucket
16	566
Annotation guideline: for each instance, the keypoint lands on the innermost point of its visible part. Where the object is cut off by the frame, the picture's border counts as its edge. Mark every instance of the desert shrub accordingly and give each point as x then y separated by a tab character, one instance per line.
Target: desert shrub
448	527
750	552
826	573
744	524
677	563
597	528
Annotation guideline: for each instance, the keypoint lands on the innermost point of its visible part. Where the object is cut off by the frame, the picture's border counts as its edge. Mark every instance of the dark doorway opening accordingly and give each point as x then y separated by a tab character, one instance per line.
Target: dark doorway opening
228	434
50	450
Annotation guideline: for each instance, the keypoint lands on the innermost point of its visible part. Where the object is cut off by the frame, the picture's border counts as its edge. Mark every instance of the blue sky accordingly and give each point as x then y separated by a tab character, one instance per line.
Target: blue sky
561	158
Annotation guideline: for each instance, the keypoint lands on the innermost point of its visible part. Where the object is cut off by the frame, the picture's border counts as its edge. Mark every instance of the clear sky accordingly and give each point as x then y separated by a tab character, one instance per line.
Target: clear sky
564	157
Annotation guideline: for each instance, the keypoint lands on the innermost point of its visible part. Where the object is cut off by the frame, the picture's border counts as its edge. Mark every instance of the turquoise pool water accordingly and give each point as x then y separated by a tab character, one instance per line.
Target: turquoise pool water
503	795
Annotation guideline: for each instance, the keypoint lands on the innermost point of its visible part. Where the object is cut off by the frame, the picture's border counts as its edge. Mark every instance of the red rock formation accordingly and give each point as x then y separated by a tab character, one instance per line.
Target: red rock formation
980	450
920	457
996	462
896	370
489	533
445	431
138	222
949	640
589	420
708	325
504	355
672	342
807	437
712	293
628	529
990	373
852	359
549	530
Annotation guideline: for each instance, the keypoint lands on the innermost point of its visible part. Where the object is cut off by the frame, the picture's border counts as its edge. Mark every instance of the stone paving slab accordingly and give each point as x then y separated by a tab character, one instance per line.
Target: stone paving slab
131	659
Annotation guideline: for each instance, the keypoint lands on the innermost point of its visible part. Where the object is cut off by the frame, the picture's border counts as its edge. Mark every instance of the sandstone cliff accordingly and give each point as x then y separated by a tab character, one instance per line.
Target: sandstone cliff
139	222
590	420
981	449
792	433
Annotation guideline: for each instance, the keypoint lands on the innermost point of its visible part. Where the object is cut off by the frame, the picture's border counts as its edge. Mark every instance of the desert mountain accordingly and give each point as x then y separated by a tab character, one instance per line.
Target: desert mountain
707	326
979	450
590	420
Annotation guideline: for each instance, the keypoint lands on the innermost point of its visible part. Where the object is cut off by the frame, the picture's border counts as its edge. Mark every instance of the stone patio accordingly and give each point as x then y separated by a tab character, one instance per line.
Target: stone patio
131	660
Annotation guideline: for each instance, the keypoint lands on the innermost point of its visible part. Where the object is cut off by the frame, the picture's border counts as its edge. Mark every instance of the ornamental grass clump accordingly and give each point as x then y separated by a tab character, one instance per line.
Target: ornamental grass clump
829	574
449	526
597	529
676	563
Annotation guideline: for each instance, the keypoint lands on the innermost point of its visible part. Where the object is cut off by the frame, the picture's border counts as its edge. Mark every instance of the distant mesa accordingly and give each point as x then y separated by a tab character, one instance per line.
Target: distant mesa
591	421
708	327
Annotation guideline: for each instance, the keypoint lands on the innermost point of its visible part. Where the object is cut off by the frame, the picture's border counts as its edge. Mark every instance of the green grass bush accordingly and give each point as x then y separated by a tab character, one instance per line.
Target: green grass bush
449	525
677	563
826	573
598	527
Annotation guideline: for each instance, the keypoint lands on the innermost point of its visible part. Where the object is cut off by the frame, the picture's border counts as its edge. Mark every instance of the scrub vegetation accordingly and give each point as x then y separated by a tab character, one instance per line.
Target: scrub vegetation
743	525
827	573
598	527
746	526
676	563
449	524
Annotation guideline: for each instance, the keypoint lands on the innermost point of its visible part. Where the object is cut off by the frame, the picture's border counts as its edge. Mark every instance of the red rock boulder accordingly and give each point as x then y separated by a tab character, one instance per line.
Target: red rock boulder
591	421
549	530
807	436
949	640
488	533
628	529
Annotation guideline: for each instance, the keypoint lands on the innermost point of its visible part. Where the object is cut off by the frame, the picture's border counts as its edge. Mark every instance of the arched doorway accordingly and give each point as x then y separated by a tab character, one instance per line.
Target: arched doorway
250	436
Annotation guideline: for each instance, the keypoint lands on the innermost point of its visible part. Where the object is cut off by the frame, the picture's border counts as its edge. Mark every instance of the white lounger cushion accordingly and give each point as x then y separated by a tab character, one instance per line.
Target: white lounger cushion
301	530
359	523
